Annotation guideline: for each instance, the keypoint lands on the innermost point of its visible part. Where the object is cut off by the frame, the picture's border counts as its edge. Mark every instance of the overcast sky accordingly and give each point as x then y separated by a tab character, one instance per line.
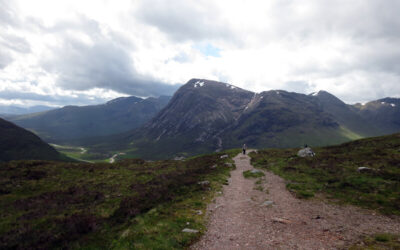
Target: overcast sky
85	52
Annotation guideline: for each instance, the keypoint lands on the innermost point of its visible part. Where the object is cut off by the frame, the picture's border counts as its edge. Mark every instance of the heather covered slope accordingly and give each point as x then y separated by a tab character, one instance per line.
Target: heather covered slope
130	204
17	143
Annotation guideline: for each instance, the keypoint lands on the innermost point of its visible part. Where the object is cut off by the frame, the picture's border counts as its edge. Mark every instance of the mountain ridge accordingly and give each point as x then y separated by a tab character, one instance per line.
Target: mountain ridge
72	123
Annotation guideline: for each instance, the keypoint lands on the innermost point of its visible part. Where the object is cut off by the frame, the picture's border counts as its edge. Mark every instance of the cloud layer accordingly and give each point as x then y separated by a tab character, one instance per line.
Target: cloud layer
86	52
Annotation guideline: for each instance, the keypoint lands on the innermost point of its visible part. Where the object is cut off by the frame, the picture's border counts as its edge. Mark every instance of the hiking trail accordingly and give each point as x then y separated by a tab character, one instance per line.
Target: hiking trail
239	219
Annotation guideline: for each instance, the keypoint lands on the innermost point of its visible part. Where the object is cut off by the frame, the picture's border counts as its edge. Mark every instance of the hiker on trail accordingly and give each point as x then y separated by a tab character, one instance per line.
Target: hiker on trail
244	148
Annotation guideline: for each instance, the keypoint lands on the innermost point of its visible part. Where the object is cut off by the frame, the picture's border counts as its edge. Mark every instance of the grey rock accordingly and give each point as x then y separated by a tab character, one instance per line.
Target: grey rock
364	169
179	158
306	152
213	166
255	171
224	156
267	203
204	184
229	164
188	230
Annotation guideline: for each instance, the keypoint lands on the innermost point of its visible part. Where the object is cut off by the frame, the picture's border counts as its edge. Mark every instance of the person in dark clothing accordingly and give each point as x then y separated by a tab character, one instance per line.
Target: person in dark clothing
244	148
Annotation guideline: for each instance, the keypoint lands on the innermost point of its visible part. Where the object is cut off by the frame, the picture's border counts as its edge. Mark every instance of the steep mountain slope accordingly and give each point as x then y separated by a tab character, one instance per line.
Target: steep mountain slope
19	144
384	114
73	122
192	121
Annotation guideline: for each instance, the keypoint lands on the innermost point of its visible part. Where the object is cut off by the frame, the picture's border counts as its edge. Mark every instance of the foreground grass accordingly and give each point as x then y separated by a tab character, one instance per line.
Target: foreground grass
333	172
128	204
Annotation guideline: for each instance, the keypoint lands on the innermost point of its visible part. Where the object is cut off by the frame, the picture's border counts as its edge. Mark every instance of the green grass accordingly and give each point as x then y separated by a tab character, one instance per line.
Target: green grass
333	172
378	241
128	204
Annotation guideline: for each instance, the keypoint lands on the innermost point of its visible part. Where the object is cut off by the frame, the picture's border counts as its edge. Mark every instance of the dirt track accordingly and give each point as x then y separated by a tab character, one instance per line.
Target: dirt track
237	219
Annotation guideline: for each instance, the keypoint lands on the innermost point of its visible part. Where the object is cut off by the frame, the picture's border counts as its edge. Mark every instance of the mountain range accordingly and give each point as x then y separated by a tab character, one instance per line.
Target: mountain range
206	116
19	144
73	123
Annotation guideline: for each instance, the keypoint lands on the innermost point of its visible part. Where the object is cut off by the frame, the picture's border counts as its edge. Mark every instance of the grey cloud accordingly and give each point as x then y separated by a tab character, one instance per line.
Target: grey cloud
184	20
353	19
16	43
5	58
8	16
61	100
297	86
105	64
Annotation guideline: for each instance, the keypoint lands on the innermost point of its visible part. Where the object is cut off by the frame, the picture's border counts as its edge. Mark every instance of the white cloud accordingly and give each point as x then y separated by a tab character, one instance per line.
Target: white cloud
143	48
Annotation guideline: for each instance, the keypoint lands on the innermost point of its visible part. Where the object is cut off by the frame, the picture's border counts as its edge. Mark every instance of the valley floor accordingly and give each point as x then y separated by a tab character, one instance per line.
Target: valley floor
240	219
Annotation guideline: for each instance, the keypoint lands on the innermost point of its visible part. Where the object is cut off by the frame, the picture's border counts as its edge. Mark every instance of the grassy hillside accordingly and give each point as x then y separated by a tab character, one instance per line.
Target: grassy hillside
333	172
128	204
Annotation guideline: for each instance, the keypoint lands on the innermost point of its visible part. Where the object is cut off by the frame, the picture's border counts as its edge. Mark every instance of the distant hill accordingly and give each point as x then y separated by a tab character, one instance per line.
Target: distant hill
19	144
16	110
72	123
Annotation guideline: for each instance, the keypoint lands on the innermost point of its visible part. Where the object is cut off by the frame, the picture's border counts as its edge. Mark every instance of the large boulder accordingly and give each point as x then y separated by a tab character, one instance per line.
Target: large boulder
306	152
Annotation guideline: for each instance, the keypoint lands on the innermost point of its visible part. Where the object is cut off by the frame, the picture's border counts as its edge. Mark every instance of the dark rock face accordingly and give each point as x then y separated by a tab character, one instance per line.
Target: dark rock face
19	144
202	105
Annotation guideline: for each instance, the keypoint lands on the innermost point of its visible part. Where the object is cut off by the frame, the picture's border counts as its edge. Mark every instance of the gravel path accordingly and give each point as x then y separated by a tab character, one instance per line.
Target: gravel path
237	219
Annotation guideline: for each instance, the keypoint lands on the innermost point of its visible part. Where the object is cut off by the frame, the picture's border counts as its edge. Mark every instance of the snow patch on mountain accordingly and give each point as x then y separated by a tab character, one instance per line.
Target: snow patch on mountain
198	84
230	86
